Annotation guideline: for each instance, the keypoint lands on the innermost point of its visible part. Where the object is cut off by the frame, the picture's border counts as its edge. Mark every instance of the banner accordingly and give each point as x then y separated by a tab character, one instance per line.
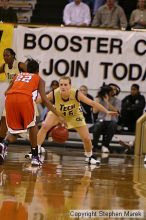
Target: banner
6	36
89	56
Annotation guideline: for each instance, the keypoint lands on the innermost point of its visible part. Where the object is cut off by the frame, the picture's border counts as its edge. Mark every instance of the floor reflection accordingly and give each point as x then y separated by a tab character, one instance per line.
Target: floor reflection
65	183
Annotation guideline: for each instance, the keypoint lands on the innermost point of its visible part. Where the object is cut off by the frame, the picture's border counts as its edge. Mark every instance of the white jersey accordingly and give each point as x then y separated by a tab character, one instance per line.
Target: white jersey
10	73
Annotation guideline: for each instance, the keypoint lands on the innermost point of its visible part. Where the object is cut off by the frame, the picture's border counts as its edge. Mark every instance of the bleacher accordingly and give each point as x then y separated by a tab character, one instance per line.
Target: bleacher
74	140
24	9
48	12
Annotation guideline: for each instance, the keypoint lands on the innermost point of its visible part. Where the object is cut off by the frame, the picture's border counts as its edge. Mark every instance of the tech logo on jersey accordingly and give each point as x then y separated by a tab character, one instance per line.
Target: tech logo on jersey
67	109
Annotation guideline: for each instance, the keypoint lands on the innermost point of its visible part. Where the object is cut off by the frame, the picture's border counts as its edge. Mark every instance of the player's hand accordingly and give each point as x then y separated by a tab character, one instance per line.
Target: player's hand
62	121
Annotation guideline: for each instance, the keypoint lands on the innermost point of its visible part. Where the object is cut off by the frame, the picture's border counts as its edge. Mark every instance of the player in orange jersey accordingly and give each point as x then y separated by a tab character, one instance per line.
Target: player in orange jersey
20	113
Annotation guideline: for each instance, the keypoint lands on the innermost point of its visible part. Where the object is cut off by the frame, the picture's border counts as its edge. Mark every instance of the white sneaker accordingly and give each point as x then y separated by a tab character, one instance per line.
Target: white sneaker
41	150
3	152
92	160
35	161
145	159
104	149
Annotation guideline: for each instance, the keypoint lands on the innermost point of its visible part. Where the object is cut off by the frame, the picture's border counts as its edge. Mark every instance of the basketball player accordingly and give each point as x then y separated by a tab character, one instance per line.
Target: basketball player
67	101
20	112
11	67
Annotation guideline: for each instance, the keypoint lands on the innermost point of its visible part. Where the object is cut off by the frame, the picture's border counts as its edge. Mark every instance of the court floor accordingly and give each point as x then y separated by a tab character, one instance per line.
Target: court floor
66	188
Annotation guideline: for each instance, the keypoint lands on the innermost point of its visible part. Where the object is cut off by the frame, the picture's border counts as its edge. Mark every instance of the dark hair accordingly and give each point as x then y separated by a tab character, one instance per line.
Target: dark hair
32	66
104	90
135	85
54	82
11	52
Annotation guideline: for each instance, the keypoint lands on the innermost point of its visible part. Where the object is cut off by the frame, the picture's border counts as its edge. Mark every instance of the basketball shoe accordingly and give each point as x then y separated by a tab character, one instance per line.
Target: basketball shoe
36	161
92	160
41	150
3	152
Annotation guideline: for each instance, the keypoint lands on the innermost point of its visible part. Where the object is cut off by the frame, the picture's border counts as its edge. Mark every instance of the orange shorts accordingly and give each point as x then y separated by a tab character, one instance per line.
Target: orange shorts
20	113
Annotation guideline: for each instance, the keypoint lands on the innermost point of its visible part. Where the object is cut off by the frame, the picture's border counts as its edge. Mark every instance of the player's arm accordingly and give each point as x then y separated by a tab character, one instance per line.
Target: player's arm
50	96
46	101
95	110
94	104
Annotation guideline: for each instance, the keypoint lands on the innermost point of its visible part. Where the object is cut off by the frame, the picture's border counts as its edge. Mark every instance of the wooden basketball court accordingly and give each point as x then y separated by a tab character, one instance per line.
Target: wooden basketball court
66	183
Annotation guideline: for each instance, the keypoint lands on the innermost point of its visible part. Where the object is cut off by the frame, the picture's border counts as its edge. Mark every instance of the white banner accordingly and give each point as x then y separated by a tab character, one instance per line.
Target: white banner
90	56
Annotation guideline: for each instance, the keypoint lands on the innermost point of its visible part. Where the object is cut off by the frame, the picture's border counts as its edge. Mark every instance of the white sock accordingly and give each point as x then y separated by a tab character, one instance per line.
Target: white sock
88	154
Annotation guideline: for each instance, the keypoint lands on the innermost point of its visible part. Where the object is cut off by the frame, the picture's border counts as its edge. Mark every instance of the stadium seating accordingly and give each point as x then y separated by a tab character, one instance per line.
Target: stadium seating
48	12
24	9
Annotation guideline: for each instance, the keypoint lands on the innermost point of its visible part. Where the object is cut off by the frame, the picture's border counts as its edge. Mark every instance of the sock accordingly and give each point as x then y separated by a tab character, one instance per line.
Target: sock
39	146
88	154
34	151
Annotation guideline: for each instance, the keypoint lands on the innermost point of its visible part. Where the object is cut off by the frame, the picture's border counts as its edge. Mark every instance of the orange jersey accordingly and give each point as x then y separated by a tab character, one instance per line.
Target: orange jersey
25	83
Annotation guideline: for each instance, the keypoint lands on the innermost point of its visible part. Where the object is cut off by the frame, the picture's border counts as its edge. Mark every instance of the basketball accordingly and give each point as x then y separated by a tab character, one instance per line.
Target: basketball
59	134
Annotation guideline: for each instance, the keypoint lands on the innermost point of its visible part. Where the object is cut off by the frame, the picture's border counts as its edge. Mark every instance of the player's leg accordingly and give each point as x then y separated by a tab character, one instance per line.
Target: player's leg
28	119
10	138
50	121
36	158
85	136
37	139
33	136
3	128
